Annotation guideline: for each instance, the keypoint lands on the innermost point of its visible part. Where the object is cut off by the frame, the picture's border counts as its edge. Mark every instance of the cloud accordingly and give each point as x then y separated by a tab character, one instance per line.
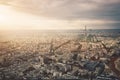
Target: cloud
71	9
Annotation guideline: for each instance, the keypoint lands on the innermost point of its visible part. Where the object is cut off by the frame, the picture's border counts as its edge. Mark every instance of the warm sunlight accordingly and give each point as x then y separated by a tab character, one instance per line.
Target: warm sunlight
3	10
13	19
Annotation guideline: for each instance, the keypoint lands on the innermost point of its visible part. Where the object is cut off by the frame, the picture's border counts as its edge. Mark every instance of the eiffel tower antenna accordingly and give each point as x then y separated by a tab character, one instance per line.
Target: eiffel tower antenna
85	33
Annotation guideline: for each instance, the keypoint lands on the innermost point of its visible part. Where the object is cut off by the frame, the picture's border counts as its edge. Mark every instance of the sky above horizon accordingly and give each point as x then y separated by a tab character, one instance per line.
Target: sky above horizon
59	14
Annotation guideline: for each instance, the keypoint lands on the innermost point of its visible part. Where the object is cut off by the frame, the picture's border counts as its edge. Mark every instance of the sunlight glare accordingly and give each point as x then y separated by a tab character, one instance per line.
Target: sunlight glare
3	12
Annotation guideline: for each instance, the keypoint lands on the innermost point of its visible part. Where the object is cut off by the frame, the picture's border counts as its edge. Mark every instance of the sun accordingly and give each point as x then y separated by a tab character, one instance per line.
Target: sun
4	10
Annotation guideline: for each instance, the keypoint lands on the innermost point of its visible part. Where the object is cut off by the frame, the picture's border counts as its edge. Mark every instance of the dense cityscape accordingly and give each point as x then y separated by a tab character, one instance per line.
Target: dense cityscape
75	54
59	39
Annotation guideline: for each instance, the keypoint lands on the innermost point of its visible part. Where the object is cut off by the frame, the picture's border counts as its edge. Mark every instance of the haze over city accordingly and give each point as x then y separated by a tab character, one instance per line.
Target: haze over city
60	39
59	14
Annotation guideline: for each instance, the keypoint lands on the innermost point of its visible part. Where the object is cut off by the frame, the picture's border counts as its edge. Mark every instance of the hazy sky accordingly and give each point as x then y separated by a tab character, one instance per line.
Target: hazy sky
59	14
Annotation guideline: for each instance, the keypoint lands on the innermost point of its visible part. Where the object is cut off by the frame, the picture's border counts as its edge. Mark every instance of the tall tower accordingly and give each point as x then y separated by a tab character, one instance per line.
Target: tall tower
85	33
